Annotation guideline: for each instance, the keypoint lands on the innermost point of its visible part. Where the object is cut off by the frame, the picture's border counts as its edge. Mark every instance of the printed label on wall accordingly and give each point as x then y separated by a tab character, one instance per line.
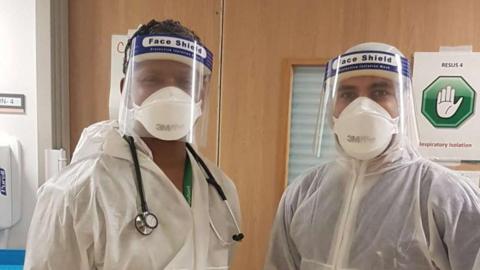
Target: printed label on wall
446	86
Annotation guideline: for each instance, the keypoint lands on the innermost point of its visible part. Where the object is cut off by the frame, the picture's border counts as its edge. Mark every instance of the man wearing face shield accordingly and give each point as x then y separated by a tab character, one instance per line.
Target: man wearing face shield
378	205
137	195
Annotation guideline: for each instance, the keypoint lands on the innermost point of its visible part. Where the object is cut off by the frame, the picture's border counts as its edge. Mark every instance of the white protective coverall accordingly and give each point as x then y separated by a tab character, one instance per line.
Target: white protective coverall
84	218
397	211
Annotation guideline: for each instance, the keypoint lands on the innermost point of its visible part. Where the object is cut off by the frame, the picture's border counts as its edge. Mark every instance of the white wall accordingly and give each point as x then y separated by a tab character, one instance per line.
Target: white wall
23	25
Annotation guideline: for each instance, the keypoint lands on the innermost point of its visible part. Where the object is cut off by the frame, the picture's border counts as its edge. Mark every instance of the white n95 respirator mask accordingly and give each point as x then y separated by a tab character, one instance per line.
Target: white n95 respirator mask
364	129
168	114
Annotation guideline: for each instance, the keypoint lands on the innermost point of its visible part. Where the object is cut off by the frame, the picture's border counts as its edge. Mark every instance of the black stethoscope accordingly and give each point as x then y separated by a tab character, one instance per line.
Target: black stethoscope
146	221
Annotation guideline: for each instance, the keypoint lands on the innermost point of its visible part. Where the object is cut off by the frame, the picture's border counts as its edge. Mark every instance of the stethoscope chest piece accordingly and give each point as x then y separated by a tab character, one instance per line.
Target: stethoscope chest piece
146	222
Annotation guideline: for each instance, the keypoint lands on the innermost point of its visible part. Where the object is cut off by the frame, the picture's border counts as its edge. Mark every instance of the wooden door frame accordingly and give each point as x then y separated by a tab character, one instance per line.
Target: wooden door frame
288	66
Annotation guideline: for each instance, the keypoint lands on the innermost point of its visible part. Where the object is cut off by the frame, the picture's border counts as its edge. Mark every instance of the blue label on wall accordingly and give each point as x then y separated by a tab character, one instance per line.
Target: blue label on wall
11	259
3	182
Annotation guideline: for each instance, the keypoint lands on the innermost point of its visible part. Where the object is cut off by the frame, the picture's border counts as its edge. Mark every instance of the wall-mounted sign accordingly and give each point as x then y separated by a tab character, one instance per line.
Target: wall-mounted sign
12	103
446	86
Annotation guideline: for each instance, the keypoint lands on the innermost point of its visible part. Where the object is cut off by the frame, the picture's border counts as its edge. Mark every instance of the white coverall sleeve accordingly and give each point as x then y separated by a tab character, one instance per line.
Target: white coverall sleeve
52	241
457	220
282	253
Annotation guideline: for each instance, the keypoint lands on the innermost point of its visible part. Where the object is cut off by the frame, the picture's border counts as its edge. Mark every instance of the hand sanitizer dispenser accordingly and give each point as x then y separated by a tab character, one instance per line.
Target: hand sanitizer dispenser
10	182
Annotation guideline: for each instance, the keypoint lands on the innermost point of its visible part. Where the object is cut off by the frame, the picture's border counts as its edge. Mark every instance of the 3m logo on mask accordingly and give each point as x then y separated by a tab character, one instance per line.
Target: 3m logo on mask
173	127
3	182
360	139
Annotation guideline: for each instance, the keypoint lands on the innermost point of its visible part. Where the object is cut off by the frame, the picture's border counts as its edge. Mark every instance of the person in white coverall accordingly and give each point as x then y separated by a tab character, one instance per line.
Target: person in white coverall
378	204
174	210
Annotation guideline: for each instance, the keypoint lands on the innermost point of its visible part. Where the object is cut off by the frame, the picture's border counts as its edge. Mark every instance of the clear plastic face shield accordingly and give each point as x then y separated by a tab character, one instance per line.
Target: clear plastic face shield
165	91
366	103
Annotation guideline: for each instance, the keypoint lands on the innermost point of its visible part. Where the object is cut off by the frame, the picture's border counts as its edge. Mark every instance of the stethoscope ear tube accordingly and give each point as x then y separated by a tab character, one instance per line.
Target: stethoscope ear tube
145	222
210	178
138	174
239	236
